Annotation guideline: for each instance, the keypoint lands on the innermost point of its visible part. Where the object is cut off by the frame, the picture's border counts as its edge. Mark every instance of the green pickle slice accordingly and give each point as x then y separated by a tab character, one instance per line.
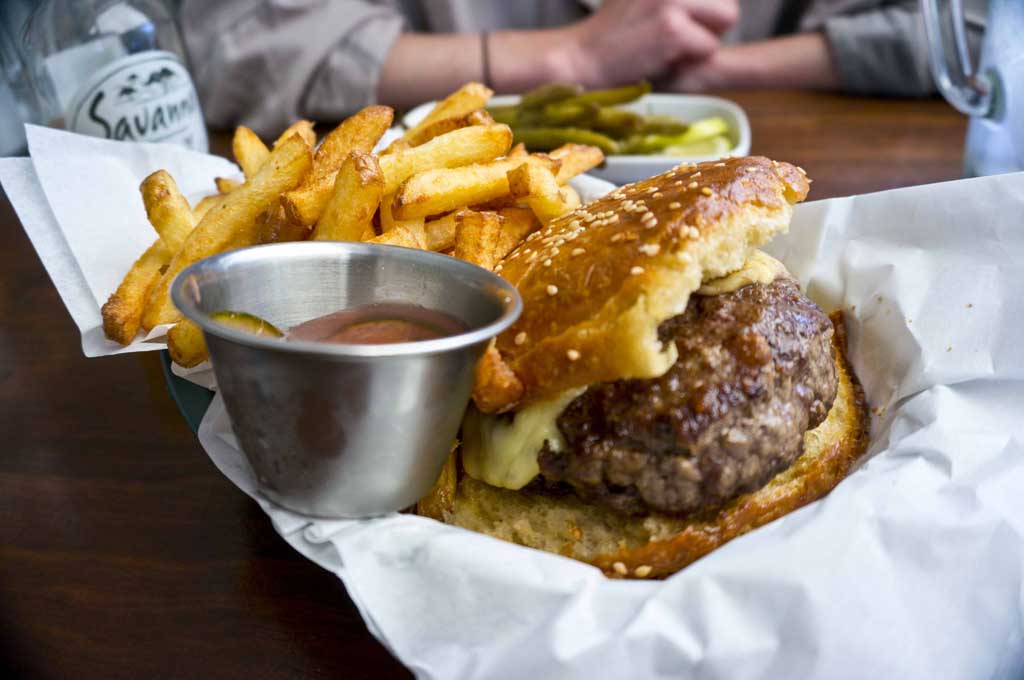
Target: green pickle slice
250	323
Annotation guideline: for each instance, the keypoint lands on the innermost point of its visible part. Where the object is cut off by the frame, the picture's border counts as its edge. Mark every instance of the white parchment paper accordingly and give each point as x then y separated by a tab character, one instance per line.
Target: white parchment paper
911	568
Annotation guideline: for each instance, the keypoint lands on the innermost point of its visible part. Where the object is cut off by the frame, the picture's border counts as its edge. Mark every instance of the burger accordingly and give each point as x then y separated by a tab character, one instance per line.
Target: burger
668	386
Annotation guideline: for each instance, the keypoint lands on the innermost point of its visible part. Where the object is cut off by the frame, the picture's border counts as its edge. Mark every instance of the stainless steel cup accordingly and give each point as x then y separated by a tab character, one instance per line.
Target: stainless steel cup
343	430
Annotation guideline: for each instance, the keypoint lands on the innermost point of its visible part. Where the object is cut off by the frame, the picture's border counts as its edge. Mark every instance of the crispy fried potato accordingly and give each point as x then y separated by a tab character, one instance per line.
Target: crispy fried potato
478	117
249	150
357	192
233	222
576	159
205	205
302	128
441	232
407	235
368	234
441	497
122	312
275	227
399	144
388	221
572	198
186	344
167	210
360	132
538	187
445	189
516	225
496	384
517	151
226	185
469	97
473	144
476	237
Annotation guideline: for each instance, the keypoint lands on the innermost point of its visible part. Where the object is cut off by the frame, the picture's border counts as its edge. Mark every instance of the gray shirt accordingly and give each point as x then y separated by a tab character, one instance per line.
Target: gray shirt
265	63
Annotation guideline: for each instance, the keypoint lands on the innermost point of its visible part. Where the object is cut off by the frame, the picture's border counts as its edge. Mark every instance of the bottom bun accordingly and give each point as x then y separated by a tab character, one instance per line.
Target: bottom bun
656	546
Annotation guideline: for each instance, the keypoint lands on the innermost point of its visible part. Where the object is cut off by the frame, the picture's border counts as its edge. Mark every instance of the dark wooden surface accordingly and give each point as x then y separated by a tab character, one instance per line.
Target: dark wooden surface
125	554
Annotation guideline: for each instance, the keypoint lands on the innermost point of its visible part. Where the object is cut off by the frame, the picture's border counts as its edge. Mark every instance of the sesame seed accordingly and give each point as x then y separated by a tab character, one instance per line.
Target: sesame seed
533	256
643	571
696	174
719	165
678	183
691	185
520	338
657	195
706	191
499	267
613	219
650	249
652	190
547	262
775	164
616	237
636	271
573	355
555	250
552	289
575	224
675	205
620	568
577	251
559	241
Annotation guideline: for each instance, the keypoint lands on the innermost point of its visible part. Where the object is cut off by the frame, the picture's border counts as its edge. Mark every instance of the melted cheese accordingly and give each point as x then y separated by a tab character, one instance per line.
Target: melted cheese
759	268
503	452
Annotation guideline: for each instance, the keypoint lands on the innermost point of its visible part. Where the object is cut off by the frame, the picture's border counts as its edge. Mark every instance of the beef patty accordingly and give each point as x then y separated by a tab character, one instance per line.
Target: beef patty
755	371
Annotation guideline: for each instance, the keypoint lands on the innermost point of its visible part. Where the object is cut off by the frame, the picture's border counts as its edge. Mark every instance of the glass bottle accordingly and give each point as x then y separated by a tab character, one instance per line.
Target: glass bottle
114	69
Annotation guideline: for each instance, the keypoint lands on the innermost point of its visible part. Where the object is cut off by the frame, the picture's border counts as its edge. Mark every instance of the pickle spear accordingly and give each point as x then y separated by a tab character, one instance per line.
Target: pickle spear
244	321
548	138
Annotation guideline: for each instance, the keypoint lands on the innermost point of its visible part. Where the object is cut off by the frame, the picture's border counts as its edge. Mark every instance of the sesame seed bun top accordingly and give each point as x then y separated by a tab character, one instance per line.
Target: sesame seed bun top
598	282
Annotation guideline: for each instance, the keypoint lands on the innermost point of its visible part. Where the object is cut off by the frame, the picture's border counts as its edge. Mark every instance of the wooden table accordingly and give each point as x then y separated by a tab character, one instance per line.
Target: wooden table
124	553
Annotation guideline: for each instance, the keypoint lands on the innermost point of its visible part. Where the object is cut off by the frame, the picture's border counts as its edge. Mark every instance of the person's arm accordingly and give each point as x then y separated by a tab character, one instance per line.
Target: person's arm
267	63
801	61
624	41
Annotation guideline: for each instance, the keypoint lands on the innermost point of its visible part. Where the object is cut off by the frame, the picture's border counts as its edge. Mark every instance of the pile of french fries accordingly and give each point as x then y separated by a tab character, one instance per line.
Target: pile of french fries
452	184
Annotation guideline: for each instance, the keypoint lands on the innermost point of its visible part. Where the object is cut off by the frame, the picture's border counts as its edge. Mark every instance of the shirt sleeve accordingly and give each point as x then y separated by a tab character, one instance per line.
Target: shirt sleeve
884	50
266	64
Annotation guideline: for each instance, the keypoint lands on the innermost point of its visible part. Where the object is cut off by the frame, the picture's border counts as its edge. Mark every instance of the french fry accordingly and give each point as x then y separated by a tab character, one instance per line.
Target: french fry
538	187
399	144
469	97
476	237
302	128
478	117
576	159
356	196
186	344
205	204
368	234
408	236
516	225
360	132
517	151
275	227
572	198
388	221
226	185
441	232
234	222
463	146
167	210
496	384
440	500
122	312
249	150
442	190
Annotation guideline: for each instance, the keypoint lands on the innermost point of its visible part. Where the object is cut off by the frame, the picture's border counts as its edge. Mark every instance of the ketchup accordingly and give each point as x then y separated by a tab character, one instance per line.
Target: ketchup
378	324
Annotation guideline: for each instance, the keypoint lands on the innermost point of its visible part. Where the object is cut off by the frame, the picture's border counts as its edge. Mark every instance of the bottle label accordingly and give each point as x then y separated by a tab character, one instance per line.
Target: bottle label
144	97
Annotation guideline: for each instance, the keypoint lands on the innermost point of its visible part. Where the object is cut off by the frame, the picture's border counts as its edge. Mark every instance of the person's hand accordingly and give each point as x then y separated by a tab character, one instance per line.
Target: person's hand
628	40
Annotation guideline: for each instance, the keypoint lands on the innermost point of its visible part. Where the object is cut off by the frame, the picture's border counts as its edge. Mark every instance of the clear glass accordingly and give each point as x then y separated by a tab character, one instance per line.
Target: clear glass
992	92
113	68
